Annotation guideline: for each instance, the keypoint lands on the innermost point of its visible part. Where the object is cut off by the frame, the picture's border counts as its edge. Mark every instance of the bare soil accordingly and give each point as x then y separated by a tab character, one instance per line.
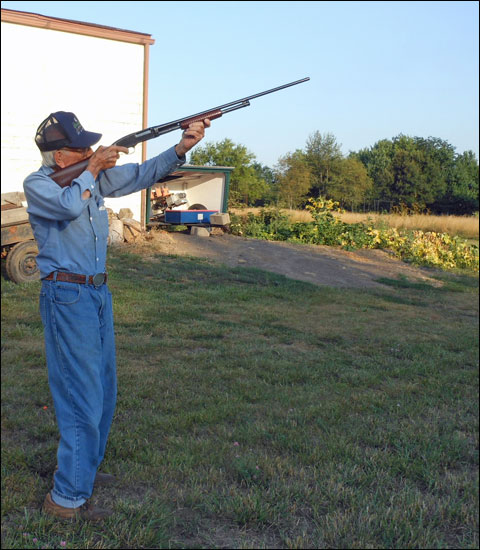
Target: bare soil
321	265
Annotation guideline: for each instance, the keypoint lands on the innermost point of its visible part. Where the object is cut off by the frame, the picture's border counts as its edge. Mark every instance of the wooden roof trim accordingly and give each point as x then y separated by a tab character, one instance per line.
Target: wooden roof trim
77	27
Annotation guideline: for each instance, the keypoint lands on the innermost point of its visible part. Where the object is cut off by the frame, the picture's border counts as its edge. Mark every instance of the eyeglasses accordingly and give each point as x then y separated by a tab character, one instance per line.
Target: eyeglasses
83	151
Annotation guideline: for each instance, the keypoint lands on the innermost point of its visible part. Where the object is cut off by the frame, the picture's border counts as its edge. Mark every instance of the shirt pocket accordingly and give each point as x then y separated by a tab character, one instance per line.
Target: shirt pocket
102	223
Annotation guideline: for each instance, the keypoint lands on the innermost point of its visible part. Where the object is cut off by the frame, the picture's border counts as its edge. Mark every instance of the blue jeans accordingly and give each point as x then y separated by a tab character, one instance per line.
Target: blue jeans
80	350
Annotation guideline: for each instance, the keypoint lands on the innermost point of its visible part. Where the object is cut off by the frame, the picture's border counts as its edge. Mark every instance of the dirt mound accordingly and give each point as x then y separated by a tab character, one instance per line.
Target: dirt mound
322	265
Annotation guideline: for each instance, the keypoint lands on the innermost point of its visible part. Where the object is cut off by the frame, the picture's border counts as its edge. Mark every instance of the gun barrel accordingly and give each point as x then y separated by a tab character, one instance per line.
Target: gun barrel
268	91
244	102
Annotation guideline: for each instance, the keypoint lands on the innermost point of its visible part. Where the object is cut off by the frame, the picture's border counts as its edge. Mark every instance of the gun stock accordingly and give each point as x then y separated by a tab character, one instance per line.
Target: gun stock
65	176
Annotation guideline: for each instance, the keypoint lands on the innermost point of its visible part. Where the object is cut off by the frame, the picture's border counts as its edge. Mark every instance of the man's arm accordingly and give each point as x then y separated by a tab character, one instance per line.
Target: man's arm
130	178
47	200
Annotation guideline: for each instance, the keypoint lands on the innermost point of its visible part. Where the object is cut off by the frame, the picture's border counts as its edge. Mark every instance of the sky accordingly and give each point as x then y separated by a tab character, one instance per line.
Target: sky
377	69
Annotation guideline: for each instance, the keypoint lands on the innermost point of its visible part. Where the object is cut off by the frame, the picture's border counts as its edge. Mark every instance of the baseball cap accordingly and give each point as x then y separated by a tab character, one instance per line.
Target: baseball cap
63	129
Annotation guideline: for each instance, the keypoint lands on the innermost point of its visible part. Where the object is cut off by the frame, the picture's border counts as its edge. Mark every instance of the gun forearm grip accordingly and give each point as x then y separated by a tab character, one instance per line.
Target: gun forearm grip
216	113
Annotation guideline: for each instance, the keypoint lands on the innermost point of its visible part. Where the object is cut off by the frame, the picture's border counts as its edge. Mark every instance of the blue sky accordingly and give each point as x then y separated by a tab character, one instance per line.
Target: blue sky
377	69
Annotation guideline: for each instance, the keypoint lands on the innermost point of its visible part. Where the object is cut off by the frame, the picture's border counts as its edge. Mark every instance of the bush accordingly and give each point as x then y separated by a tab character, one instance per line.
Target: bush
419	247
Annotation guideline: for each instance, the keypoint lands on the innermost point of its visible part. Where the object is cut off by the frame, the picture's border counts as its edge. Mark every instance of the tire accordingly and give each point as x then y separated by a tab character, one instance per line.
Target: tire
21	265
197	207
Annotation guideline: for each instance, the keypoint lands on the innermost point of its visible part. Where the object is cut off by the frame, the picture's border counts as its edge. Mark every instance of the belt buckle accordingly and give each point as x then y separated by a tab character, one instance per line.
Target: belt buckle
98	279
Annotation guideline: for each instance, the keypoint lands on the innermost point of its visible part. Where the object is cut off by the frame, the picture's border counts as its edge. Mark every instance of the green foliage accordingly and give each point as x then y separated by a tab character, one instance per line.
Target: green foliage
350	183
419	247
269	224
246	185
322	154
293	179
377	160
462	193
422	174
268	176
413	173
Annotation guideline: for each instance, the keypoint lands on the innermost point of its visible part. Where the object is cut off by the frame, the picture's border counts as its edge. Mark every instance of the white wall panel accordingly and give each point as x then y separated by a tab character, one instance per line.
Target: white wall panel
43	71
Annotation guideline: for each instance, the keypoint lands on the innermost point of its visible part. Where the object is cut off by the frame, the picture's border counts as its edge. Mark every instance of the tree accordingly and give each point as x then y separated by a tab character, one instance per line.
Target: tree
378	162
412	171
463	191
266	174
322	154
350	182
438	168
246	186
294	179
409	180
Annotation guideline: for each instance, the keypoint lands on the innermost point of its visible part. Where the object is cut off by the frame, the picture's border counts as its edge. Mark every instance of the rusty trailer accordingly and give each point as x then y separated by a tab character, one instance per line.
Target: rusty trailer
18	243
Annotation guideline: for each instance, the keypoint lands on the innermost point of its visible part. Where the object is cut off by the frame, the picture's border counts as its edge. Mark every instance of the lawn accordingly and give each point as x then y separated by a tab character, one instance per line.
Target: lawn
256	411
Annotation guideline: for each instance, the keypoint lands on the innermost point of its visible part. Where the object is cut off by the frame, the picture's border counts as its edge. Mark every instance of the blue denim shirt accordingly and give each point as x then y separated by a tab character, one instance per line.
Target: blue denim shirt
72	233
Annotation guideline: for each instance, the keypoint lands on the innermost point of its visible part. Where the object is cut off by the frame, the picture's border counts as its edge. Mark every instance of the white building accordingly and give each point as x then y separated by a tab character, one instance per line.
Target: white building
39	77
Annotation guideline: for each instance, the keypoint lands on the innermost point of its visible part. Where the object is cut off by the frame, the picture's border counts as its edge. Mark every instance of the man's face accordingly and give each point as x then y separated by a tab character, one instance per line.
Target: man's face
69	155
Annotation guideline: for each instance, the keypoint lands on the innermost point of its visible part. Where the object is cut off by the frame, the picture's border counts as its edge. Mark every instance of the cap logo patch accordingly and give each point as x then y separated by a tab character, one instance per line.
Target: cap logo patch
77	126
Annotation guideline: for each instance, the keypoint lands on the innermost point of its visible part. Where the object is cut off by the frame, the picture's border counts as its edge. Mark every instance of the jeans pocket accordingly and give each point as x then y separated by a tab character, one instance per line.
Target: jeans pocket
66	293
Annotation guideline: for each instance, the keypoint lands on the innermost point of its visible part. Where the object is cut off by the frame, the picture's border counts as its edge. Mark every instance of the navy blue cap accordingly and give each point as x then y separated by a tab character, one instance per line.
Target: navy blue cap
63	129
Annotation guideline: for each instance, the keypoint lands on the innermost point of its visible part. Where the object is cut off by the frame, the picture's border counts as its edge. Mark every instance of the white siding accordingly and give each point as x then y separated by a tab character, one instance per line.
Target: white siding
45	70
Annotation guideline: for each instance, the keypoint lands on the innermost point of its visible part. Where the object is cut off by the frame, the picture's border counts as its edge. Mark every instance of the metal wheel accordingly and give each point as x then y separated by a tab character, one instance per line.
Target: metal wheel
21	265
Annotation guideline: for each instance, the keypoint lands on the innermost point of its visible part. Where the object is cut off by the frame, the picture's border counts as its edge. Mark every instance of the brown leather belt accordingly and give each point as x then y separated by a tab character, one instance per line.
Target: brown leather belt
97	280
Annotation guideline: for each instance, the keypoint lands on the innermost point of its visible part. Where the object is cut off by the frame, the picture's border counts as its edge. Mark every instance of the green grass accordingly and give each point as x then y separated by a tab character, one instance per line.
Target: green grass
259	412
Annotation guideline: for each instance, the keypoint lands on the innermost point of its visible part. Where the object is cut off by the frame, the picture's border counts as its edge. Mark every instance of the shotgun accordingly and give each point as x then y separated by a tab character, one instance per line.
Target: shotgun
65	176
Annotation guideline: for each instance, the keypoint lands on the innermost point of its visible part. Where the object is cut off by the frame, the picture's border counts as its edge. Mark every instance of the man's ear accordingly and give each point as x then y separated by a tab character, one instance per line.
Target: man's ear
59	159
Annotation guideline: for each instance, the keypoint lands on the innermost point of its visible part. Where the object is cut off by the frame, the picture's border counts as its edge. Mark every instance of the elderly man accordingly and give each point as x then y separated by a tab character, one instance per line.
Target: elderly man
70	225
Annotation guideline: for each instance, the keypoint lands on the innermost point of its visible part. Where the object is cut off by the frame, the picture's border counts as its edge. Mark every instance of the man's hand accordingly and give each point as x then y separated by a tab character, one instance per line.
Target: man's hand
104	158
191	136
